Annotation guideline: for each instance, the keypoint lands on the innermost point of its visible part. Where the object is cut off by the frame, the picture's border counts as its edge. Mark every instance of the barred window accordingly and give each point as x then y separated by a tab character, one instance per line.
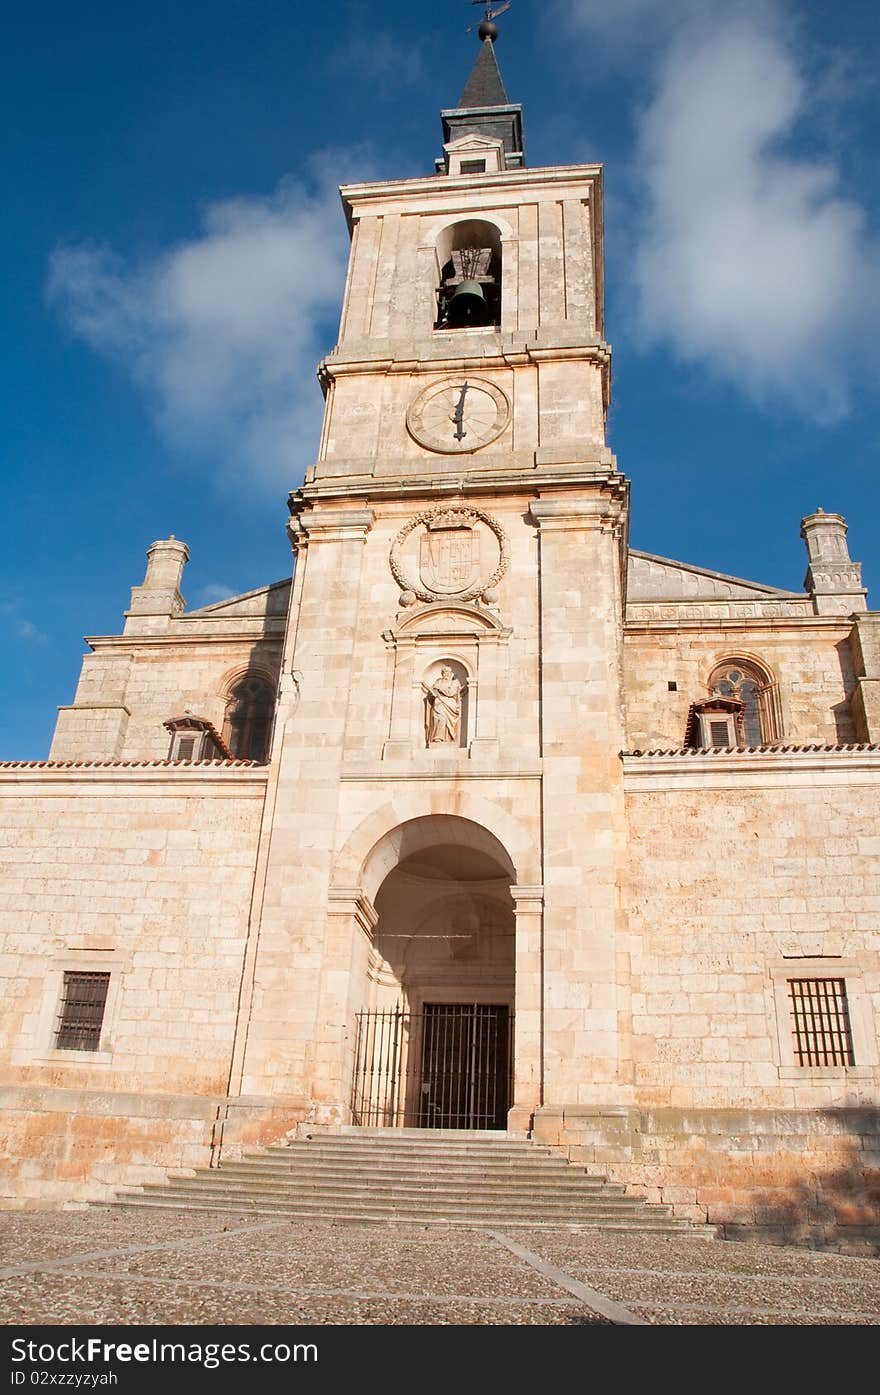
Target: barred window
81	1012
820	1023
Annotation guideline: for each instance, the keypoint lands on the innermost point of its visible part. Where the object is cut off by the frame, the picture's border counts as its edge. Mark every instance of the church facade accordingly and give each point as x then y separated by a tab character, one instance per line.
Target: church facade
482	820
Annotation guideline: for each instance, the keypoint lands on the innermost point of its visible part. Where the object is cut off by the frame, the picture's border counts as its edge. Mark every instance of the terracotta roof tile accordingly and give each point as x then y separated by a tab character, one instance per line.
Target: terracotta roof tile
775	748
122	764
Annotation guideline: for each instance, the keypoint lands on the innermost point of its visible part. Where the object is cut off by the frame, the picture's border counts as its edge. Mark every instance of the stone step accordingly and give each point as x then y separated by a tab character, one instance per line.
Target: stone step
424	1209
364	1194
394	1175
519	1196
413	1151
345	1168
414	1134
387	1180
503	1221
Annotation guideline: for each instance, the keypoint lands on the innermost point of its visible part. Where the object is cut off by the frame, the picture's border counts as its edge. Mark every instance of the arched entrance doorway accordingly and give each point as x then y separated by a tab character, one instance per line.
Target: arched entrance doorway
435	1036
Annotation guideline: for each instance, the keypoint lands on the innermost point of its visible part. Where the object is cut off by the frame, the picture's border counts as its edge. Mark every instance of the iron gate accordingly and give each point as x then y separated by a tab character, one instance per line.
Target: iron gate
446	1067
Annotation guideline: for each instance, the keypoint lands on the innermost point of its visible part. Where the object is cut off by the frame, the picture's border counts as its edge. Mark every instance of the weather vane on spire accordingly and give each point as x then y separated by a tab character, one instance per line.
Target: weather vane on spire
486	28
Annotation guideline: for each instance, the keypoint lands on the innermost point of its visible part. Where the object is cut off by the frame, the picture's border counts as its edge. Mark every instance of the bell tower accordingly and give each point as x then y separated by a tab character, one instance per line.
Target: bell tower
451	676
484	268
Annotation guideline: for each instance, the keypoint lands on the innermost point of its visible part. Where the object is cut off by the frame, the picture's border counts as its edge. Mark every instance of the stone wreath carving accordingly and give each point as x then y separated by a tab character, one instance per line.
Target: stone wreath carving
437	577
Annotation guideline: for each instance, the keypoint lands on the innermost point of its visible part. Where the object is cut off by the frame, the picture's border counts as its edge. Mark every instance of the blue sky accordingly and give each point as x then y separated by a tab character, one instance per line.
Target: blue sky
175	251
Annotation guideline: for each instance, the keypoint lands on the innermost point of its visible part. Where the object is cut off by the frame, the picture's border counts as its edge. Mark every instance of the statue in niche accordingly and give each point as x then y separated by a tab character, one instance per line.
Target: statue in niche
443	716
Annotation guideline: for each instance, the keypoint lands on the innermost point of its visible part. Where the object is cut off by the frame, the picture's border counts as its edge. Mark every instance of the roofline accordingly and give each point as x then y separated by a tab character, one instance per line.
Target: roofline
719	576
239	596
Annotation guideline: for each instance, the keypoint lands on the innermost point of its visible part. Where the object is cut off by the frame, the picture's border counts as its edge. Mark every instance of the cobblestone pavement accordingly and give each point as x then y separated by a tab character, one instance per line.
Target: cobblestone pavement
107	1266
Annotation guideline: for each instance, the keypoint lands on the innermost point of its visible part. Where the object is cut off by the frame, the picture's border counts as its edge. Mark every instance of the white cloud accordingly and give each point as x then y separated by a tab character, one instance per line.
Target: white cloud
212	593
222	331
627	25
749	259
17	624
384	60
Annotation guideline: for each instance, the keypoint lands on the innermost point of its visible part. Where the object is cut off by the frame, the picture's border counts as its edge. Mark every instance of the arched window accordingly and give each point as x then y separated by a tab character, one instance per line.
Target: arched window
469	271
249	710
747	684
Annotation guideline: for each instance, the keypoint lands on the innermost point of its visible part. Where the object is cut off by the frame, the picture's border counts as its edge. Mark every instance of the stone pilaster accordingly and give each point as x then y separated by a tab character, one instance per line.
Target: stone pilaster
529	1006
581	537
351	920
865	698
297	964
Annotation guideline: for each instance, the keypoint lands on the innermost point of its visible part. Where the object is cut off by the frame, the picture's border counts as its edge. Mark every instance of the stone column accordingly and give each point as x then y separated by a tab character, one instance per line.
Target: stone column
528	1063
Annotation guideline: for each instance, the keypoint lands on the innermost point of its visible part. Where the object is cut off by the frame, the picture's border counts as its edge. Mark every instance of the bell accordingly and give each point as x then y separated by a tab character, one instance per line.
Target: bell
468	305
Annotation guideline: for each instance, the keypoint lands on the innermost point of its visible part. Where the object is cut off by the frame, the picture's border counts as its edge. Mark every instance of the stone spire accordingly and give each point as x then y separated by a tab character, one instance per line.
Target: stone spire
484	87
484	109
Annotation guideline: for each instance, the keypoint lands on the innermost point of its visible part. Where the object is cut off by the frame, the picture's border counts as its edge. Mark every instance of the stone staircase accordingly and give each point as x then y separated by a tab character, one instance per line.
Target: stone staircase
412	1175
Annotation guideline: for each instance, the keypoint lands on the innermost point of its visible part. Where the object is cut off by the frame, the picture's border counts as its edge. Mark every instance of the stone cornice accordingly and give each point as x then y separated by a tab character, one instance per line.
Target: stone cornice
90	707
130	776
427	767
351	902
268	630
753	766
456	483
527	899
336	520
438	191
309	526
602	508
371	359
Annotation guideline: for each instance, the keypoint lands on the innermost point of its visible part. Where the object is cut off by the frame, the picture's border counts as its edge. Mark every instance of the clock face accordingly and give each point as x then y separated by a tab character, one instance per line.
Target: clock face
458	415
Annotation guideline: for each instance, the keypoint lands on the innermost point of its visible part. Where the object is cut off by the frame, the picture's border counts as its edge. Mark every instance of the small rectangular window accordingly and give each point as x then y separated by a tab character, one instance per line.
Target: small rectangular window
185	747
473	166
820	1023
81	1012
717	729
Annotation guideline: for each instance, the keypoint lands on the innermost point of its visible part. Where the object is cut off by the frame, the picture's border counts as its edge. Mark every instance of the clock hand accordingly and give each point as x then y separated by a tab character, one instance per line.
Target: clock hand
458	415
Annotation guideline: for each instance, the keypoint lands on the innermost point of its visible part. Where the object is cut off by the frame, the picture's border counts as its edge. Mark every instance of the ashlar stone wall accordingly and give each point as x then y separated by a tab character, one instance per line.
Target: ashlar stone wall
146	874
810	660
742	873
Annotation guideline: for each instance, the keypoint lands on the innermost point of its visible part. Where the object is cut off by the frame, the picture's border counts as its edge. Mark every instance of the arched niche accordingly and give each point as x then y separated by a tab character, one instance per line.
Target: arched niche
473	641
446	685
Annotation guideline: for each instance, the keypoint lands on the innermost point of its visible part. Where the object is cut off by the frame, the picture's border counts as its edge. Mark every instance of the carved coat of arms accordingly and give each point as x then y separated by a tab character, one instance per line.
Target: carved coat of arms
449	556
447	553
